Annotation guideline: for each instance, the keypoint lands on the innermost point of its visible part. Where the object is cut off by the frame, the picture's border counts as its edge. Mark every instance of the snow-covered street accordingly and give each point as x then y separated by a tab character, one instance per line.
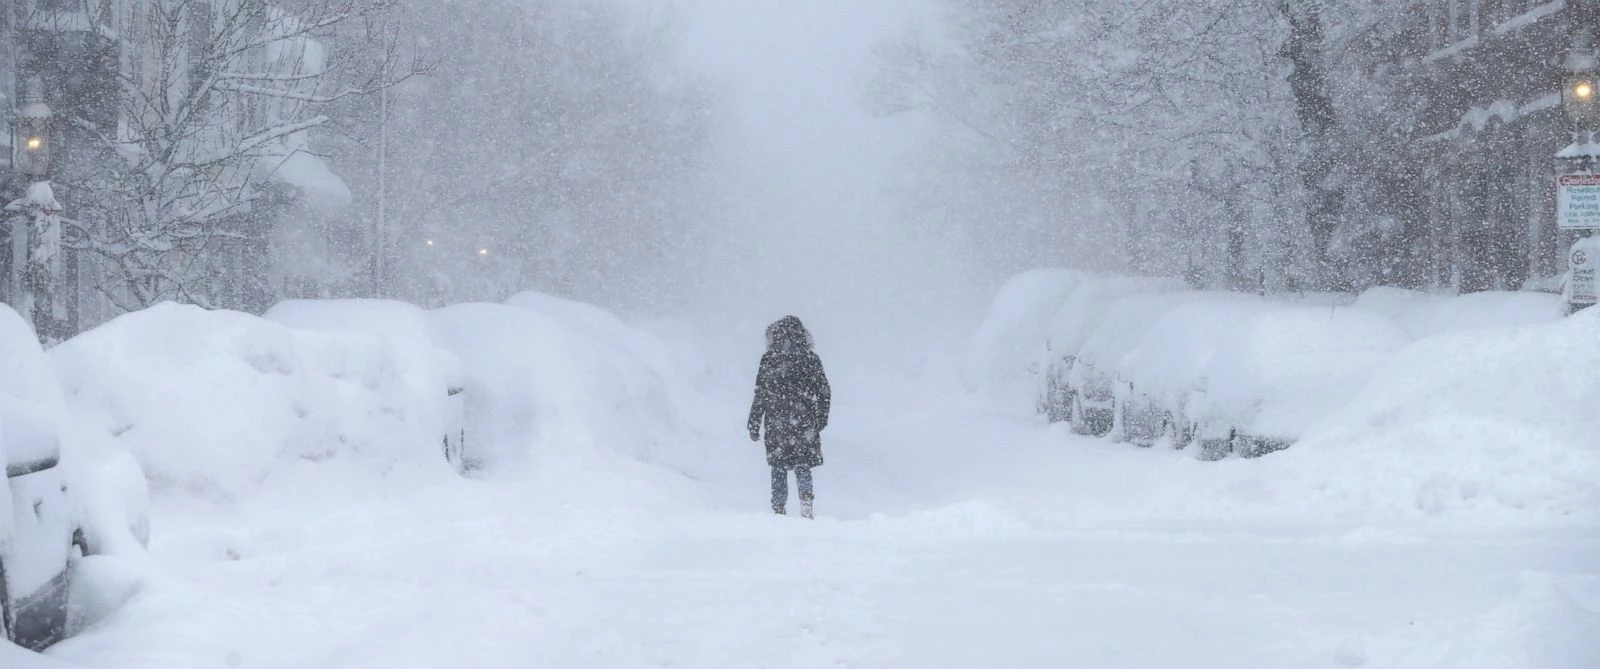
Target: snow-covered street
949	536
375	334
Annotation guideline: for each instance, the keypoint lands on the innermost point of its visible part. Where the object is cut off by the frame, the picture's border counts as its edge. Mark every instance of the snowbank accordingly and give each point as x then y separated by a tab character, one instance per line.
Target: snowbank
1485	422
1479	407
1291	367
108	495
30	399
218	404
214	403
551	380
427	372
1425	315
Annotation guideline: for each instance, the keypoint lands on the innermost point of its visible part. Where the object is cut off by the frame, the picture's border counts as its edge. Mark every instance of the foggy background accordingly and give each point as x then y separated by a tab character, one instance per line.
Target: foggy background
873	165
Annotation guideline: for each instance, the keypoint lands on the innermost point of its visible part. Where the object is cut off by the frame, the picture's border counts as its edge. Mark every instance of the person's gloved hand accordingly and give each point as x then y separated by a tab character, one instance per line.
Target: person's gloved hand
755	432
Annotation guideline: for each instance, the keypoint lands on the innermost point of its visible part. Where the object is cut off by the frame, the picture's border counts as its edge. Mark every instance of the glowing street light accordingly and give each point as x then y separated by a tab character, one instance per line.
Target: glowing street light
1578	97
483	253
31	131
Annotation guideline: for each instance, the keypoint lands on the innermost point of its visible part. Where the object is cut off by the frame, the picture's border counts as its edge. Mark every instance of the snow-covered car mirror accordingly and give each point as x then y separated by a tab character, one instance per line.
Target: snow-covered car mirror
30	443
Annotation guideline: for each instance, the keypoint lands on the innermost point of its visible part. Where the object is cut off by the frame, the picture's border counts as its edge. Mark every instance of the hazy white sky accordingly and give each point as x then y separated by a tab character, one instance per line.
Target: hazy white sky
808	225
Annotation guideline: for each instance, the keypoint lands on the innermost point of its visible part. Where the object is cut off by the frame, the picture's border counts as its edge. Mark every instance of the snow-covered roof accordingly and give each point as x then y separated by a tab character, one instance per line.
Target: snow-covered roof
312	176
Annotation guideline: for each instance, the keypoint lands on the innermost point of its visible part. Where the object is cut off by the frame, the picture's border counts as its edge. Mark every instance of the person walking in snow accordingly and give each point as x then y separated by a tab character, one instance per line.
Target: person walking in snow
791	401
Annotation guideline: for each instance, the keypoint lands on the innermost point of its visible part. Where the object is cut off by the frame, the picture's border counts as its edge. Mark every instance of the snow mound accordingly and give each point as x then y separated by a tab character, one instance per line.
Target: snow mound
570	391
1425	315
1015	329
30	399
1291	367
214	403
1486	422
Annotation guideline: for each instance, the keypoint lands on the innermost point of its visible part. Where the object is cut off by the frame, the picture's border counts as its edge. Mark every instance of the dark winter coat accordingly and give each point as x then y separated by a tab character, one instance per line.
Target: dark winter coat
792	398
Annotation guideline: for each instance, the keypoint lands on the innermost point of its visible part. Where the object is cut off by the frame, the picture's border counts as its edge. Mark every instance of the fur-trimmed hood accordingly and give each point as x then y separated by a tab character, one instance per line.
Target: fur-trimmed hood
788	335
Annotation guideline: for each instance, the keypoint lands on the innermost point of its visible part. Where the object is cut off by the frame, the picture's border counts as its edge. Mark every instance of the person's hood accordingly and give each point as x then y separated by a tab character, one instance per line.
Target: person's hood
788	335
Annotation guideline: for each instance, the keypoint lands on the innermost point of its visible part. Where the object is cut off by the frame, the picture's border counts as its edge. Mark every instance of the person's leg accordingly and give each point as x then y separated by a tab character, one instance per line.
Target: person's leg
780	489
802	476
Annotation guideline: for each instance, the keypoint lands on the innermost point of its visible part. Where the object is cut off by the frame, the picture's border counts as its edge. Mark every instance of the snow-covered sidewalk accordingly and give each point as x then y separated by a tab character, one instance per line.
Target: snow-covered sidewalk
950	537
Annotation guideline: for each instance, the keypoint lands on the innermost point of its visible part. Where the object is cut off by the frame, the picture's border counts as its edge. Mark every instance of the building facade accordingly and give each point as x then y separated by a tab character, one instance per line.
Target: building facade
1490	73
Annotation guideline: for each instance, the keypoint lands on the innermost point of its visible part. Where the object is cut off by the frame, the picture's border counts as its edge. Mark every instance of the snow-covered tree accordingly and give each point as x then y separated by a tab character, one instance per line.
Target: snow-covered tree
216	103
1147	138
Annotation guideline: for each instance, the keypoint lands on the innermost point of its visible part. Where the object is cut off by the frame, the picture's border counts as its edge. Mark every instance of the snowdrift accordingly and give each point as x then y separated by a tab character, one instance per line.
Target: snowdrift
1497	422
217	404
214	402
1476	406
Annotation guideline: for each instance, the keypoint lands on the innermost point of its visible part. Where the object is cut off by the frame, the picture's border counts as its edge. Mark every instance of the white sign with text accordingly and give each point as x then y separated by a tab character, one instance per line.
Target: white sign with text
1578	201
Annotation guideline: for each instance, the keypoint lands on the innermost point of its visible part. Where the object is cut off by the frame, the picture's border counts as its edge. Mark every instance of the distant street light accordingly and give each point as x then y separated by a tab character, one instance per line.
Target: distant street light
483	253
30	133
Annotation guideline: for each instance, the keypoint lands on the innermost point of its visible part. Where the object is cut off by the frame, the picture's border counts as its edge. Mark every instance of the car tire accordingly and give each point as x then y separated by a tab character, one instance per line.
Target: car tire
5	605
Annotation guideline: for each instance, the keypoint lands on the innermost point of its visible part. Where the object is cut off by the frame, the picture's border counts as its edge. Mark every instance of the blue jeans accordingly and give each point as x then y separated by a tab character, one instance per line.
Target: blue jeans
780	486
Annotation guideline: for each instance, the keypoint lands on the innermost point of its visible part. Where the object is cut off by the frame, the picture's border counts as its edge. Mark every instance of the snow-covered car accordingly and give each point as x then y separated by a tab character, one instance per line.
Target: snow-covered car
404	337
455	429
38	518
1283	372
1171	361
1077	319
1093	380
38	533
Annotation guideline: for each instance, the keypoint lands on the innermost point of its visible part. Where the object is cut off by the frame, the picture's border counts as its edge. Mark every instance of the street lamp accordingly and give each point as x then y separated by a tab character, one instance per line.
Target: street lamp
30	132
1578	189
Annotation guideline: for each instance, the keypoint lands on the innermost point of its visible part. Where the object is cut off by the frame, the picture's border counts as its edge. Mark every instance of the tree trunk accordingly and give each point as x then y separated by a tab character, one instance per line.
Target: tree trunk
1308	82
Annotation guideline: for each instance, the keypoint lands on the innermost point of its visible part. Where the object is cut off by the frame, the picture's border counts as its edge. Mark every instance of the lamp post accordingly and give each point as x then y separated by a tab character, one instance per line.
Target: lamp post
36	234
1578	187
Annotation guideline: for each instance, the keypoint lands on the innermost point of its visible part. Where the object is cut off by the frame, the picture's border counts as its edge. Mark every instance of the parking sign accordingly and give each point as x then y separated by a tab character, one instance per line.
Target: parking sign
1578	201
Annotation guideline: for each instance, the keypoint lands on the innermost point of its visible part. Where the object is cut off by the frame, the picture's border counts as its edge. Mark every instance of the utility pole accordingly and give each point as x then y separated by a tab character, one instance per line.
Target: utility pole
381	224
